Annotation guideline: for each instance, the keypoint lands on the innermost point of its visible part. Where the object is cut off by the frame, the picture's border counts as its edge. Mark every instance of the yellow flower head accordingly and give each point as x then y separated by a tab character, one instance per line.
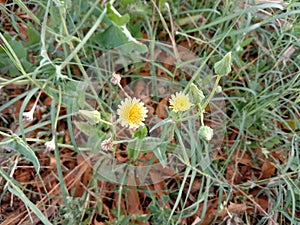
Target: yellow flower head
180	102
132	113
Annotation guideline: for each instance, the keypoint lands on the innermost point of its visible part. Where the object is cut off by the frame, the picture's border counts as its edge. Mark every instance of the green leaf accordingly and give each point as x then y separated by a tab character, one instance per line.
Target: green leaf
112	37
160	154
117	34
20	146
14	188
7	64
115	16
196	94
246	42
141	132
84	127
74	96
120	37
33	35
147	144
127	1
131	46
16	46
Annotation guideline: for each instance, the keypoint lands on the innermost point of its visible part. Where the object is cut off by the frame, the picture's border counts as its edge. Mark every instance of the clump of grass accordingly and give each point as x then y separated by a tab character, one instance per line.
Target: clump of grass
246	171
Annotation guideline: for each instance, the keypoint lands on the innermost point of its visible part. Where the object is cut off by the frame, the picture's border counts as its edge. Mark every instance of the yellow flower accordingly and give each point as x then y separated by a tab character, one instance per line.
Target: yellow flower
180	102
132	112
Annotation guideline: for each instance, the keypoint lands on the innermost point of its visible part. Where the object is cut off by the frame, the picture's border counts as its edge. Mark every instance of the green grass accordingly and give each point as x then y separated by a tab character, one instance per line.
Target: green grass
249	171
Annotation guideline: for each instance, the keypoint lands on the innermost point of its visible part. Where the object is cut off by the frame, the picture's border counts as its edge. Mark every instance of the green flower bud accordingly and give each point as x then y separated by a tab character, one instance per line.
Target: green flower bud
206	132
93	117
218	89
223	67
195	94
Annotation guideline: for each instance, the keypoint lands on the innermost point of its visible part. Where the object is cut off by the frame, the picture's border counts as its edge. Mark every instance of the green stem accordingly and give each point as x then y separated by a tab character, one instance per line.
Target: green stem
212	92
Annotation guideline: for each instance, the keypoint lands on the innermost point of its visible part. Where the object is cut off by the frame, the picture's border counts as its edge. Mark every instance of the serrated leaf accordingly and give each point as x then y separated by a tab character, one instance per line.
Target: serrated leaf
20	146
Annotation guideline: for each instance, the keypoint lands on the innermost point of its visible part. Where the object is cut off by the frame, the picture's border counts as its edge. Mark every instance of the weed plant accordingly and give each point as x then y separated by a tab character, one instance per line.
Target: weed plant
215	89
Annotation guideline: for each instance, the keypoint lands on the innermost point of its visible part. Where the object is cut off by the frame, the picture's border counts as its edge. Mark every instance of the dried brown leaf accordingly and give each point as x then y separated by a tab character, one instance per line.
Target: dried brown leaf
267	170
234	208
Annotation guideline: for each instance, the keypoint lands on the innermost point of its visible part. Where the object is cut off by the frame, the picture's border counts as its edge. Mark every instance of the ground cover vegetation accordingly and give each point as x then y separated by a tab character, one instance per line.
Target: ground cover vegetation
149	112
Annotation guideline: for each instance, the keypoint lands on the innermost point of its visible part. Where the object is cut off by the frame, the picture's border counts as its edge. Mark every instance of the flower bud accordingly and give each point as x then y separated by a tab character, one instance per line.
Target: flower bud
93	117
218	89
223	67
206	132
106	145
116	78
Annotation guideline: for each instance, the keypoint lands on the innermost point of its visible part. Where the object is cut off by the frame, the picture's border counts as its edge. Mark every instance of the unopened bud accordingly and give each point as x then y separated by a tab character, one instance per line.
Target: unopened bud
116	78
106	145
93	117
206	132
219	89
223	67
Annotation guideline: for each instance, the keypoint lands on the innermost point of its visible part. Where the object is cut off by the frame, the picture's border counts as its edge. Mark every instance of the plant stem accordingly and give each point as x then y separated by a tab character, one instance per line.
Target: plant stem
212	92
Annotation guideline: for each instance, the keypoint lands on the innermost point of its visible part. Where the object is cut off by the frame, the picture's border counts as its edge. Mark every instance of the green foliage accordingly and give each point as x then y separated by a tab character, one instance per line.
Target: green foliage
6	64
71	212
260	86
115	17
117	34
141	132
17	144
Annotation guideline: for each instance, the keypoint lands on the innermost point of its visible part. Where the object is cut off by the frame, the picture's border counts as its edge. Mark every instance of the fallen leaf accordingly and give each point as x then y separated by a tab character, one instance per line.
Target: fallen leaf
160	110
133	202
211	211
267	170
234	208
